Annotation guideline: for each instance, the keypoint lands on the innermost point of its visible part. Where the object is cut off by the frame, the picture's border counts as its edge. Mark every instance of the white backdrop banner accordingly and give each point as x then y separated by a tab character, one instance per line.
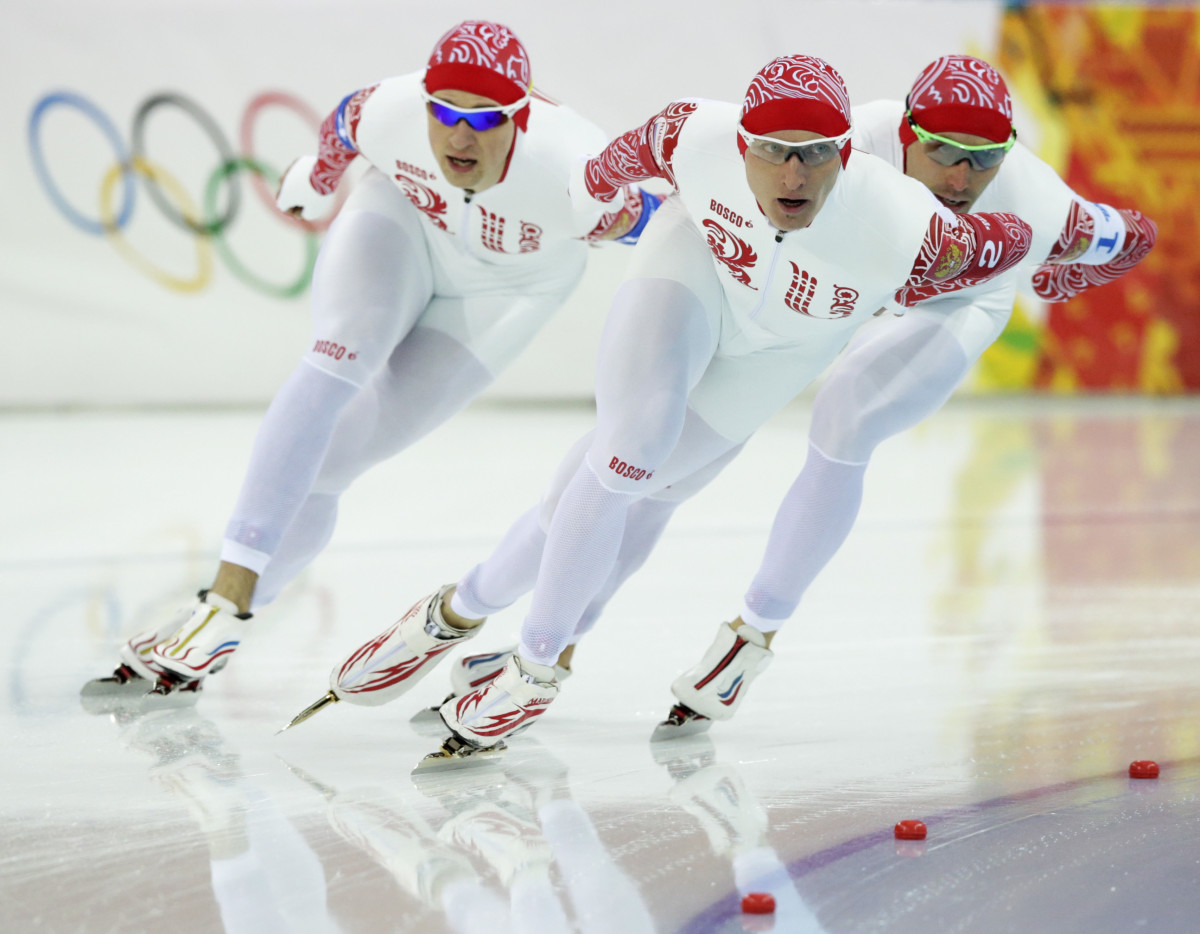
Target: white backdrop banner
126	121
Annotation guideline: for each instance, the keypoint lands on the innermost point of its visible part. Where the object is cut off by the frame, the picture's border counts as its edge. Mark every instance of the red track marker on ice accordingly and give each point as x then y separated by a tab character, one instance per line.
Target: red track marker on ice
758	903
910	830
1143	768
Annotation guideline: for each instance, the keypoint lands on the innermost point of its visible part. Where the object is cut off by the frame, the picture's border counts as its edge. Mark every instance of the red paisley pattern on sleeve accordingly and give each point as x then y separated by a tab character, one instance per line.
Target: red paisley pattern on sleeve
1056	282
334	156
1076	236
639	154
966	252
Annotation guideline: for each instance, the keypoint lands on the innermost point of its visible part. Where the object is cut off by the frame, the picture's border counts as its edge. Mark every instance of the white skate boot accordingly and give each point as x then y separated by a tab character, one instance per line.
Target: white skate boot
202	644
383	668
713	689
481	720
138	672
468	674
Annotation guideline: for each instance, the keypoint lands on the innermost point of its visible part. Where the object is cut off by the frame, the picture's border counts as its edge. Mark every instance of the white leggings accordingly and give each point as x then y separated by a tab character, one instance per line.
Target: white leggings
657	343
893	376
428	378
890	378
418	358
511	570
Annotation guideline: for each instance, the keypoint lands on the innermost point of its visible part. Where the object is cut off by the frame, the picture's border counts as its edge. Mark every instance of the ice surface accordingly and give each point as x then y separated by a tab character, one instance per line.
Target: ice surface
1013	621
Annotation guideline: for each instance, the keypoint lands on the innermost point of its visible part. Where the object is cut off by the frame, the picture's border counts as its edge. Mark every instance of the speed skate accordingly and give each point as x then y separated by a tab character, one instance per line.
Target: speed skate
713	689
481	720
467	674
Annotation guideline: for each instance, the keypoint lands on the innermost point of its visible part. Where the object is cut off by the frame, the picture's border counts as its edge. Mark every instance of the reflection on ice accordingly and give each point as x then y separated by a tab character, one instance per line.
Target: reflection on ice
1011	623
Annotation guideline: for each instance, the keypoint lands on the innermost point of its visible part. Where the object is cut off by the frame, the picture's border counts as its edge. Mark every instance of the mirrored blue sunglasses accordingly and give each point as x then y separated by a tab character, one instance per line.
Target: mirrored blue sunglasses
478	118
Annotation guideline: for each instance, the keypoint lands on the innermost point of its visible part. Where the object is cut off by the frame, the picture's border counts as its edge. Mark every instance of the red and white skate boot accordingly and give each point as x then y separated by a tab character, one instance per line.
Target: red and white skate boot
468	674
472	672
481	720
137	672
713	689
388	665
202	645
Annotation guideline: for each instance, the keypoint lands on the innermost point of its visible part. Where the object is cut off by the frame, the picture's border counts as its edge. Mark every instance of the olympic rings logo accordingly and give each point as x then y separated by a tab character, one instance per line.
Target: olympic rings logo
209	223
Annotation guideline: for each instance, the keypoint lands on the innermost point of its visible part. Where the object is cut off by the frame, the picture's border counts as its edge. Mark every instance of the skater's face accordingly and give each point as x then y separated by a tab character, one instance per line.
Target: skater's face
957	186
471	159
791	194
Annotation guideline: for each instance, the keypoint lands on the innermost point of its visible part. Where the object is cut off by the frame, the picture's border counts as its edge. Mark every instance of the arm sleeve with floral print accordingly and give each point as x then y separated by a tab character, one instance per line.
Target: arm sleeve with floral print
635	156
964	250
338	142
1066	272
641	154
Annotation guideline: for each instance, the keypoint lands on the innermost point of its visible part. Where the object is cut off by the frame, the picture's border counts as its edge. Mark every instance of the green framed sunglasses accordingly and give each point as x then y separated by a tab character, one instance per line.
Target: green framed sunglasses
982	157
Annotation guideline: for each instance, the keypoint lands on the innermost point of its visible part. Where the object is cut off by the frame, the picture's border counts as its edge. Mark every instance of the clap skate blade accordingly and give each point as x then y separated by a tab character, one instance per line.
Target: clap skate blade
681	721
130	691
146	702
124	682
457	754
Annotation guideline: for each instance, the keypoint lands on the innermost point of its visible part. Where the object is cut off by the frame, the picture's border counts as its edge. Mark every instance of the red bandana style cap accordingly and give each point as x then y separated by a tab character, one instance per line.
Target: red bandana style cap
481	58
797	92
960	94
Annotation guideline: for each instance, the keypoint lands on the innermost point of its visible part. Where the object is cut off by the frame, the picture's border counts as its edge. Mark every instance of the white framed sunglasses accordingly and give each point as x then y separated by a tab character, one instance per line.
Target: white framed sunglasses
778	151
478	118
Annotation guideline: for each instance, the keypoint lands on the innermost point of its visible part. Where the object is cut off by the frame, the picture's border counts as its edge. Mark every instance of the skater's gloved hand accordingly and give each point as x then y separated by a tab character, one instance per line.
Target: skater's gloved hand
650	203
297	197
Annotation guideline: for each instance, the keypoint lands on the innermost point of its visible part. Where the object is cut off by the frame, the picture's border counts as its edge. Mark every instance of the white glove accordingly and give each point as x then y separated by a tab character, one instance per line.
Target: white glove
297	196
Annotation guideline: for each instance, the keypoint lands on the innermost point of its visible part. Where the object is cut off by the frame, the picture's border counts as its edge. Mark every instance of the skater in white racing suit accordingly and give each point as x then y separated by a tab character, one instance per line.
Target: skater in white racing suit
954	133
455	247
778	245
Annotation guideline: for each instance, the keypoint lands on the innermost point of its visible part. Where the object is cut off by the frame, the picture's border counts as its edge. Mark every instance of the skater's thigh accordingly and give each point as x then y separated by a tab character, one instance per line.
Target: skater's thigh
897	372
428	379
657	342
371	282
496	325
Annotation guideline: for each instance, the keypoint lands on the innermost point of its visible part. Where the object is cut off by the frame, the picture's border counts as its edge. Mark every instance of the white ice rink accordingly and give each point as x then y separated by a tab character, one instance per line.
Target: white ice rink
1014	620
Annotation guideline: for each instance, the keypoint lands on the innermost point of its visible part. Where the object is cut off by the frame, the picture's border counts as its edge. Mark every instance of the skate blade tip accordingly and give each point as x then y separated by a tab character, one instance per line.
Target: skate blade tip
317	705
